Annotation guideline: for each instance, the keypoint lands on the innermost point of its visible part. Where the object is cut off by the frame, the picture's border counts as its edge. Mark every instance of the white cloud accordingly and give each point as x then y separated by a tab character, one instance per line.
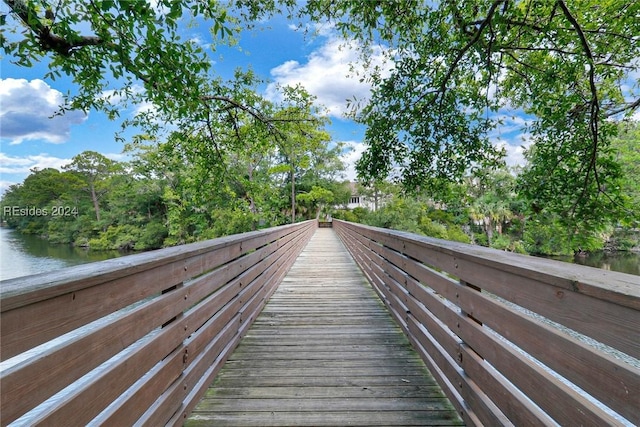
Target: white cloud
15	169
22	165
18	168
111	96
331	73
145	107
4	186
28	109
351	157
511	136
515	149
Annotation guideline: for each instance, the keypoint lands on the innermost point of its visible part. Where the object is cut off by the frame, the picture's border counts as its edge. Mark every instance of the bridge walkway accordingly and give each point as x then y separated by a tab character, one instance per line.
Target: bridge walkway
324	351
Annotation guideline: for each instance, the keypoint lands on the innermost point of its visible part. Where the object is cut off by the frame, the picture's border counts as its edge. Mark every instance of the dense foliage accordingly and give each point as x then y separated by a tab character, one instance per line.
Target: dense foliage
489	208
168	195
463	68
214	157
162	198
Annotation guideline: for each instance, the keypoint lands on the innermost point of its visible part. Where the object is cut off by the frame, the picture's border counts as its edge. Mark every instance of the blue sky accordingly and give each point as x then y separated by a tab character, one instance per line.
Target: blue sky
30	138
278	52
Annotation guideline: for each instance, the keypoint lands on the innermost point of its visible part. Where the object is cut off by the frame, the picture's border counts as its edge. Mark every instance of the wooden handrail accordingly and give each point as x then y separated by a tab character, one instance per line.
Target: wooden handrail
135	340
512	339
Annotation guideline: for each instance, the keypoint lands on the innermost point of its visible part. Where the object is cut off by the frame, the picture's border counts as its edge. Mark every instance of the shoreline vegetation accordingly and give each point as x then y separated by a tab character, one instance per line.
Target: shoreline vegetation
165	196
610	257
216	156
622	241
131	234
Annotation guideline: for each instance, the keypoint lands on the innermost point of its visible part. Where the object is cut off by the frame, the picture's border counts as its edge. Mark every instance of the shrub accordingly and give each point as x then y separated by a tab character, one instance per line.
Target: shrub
433	229
151	237
481	239
501	242
345	215
455	233
120	237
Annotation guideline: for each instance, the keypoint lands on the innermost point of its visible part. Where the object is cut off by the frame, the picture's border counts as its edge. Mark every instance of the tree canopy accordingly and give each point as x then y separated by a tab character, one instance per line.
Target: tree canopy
130	50
461	68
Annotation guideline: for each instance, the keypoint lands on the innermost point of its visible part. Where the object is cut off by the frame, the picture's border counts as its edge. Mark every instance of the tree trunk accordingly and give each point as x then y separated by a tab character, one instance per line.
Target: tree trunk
94	199
252	203
488	226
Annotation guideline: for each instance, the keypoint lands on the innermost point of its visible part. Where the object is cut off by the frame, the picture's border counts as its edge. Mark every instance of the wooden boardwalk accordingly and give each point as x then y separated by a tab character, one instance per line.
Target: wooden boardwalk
324	351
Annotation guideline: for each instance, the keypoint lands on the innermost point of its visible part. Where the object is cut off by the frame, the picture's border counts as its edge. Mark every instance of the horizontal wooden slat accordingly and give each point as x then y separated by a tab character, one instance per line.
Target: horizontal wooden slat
238	266
27	290
364	417
170	403
38	308
486	410
619	288
439	361
207	356
46	375
613	382
28	326
129	406
427	279
27	384
573	296
323	332
206	298
271	277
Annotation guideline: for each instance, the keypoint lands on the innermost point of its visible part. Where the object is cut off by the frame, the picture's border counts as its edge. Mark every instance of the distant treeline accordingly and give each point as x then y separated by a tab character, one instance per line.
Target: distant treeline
161	198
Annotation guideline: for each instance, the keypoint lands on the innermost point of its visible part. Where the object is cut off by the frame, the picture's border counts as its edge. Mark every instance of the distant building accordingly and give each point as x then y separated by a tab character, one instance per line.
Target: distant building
358	200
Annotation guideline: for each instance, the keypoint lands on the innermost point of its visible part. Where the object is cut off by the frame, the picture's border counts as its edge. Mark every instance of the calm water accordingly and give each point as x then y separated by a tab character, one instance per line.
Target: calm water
626	262
22	255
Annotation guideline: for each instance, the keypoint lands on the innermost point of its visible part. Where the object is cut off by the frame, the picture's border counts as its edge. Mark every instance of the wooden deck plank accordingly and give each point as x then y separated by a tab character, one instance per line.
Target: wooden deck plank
323	381
335	418
324	351
347	392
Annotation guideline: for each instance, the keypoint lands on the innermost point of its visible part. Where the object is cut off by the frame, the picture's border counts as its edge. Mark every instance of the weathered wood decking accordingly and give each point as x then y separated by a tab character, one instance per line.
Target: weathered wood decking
324	351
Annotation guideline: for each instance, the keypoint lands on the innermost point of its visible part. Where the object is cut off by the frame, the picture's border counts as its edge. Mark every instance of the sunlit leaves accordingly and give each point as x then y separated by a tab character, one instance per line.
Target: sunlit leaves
459	65
134	47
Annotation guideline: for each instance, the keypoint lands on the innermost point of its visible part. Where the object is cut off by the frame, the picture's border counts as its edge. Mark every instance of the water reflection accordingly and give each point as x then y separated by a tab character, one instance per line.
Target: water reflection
22	255
625	262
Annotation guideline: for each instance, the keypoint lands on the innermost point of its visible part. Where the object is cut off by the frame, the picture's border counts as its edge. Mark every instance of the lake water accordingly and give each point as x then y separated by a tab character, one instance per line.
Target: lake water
22	255
626	262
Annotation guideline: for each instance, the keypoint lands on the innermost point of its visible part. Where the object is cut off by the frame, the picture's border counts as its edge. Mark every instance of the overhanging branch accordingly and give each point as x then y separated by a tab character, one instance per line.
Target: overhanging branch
594	103
48	40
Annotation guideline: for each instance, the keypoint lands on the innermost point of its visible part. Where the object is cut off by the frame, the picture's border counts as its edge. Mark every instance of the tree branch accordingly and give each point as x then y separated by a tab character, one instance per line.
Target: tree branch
594	102
236	104
627	107
48	40
468	46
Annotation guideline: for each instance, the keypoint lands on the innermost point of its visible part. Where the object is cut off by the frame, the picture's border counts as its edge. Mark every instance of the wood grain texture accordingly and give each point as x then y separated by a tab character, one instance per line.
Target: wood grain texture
490	316
185	312
324	351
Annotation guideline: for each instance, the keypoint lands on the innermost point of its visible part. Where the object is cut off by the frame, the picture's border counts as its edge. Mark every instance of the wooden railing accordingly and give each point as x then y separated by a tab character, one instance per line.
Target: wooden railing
512	339
135	340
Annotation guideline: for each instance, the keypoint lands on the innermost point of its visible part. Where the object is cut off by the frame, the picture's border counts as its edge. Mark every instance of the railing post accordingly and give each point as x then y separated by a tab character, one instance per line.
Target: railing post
179	315
477	289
